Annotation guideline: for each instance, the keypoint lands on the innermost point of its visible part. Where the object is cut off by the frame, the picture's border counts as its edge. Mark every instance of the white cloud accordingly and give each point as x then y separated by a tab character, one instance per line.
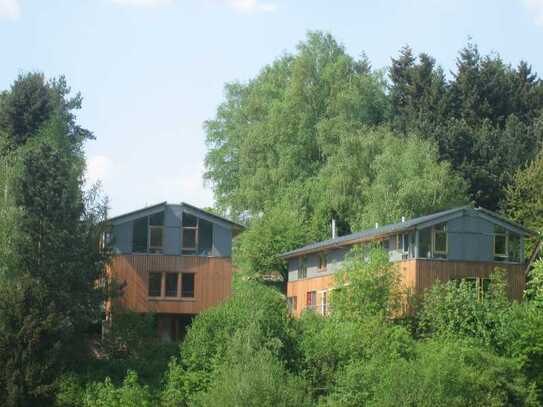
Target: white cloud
98	168
251	6
143	3
10	9
536	9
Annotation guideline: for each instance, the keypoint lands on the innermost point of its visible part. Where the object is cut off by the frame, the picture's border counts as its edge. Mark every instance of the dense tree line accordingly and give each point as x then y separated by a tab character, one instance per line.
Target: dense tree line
319	134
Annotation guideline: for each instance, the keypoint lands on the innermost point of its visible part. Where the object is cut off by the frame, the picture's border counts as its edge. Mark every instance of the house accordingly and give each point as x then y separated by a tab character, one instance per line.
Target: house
461	243
173	261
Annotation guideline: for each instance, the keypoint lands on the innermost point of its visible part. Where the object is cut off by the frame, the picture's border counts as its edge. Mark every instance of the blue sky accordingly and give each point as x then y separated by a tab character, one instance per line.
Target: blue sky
151	71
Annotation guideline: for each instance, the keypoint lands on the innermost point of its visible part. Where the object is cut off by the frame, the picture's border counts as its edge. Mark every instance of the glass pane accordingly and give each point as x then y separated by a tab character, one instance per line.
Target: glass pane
441	227
441	242
139	235
171	285
156	237
157	219
499	245
187	285
189	238
189	220
499	229
205	237
514	247
425	243
155	284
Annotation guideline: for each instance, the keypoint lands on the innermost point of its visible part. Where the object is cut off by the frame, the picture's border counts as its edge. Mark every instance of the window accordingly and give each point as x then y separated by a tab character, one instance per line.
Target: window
155	239
404	245
155	284
425	243
324	303
507	246
171	284
513	247
139	235
205	237
311	300
432	242
292	303
500	243
385	244
439	240
190	233
147	234
187	285
323	262
302	267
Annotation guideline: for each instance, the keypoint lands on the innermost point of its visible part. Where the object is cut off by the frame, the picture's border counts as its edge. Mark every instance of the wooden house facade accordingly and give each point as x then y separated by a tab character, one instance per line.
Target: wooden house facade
173	261
461	243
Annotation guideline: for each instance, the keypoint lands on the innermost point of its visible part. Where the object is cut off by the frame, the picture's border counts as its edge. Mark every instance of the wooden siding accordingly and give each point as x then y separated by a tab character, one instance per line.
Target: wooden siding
212	282
417	276
300	288
430	271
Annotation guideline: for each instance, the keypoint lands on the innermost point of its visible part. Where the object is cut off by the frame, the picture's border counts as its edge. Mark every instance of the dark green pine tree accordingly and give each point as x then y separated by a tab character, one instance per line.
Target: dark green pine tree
48	300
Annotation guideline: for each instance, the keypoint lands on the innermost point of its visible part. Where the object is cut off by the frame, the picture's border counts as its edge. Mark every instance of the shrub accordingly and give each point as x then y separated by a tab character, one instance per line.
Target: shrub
207	340
252	376
442	373
130	394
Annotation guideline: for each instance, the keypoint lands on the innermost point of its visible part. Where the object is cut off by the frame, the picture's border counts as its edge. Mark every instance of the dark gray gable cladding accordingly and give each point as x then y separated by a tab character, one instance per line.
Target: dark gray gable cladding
411	224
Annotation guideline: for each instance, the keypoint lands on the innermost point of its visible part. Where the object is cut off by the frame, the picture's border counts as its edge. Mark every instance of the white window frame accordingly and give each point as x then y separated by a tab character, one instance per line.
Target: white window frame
324	304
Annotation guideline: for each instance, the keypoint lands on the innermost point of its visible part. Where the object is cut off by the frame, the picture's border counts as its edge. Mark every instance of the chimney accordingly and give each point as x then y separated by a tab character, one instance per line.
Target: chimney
403	219
376	225
334	233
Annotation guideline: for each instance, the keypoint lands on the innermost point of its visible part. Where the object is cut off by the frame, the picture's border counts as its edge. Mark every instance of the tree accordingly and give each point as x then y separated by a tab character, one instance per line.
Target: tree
31	102
278	129
280	229
51	296
524	197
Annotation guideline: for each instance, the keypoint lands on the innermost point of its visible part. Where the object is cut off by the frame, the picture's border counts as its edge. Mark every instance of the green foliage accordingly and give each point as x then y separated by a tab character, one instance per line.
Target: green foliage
441	373
130	394
458	309
252	376
277	231
524	198
51	262
31	102
534	285
367	285
278	129
207	341
330	344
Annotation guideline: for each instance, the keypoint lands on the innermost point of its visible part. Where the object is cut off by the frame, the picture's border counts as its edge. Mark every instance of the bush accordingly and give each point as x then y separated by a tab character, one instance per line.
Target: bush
252	376
130	394
442	373
329	344
207	341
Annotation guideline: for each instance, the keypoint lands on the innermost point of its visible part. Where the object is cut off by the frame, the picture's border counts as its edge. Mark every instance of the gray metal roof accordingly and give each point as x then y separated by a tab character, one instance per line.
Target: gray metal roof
183	204
369	234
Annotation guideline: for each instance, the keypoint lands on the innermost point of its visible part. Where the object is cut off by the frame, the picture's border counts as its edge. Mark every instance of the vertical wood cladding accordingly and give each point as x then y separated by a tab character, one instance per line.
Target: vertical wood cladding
417	276
212	279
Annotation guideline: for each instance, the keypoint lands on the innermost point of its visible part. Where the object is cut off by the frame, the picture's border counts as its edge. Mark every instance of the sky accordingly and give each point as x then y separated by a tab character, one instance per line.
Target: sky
152	71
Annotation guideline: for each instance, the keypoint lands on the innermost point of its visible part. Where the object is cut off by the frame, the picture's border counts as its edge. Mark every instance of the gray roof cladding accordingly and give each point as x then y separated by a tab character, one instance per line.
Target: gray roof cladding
369	234
161	205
